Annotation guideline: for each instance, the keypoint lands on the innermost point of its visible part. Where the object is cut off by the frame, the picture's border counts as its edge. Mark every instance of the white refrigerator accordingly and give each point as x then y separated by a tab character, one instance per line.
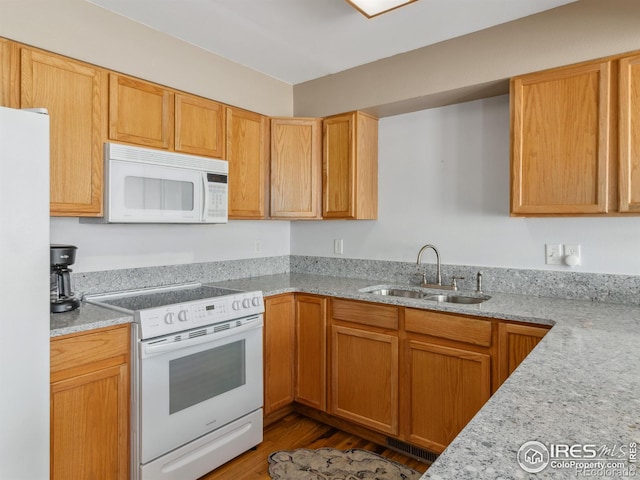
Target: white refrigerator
24	295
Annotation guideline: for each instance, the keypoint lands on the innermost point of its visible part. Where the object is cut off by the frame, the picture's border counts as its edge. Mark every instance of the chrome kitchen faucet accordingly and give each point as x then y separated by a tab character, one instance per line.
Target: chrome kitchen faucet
438	284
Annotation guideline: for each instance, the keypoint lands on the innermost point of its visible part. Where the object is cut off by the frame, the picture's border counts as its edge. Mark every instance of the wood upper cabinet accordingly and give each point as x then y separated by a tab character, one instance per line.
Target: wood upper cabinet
629	134
248	157
311	351
8	75
296	168
140	112
447	379
199	126
90	405
364	365
75	95
516	342
350	166
561	122
279	352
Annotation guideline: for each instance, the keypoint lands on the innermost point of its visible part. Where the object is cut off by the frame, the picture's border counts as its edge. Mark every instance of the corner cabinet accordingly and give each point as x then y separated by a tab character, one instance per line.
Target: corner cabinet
296	168
247	152
516	342
279	344
311	351
364	364
75	95
90	405
350	167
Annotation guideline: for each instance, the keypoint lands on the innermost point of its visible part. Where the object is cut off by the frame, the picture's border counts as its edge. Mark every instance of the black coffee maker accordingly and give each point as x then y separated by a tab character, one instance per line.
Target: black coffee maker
62	298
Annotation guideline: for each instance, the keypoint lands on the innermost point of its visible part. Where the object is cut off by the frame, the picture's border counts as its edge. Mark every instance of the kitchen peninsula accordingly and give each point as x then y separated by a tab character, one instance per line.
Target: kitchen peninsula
579	385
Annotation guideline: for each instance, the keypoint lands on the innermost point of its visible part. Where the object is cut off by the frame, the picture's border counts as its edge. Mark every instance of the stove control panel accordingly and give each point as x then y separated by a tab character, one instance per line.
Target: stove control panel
196	313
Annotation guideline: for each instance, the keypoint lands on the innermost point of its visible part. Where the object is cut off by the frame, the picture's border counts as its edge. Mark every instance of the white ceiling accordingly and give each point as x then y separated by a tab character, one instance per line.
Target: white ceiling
299	40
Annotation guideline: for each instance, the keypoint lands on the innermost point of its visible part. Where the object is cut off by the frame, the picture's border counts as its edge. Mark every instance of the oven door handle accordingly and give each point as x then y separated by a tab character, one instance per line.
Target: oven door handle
154	347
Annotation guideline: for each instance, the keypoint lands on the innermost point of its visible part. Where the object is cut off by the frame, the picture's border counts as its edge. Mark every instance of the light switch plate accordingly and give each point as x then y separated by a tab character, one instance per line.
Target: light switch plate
338	246
553	254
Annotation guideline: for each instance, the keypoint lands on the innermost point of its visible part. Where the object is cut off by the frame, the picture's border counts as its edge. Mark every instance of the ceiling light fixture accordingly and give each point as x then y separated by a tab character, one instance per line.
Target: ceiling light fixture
372	8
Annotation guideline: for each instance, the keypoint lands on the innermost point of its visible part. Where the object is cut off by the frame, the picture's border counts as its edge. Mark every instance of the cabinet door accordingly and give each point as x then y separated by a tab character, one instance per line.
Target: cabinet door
9	75
515	343
248	157
311	348
279	356
90	405
74	94
560	128
447	386
140	112
629	132
350	167
364	377
296	168
89	427
199	126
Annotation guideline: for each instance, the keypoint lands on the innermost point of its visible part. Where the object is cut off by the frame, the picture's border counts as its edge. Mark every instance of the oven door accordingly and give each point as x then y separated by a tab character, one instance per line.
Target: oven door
191	387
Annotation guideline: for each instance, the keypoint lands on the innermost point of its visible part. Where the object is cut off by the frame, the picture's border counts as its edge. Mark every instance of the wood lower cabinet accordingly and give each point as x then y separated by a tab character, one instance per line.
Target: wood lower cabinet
364	365
140	112
447	375
199	126
248	157
447	387
516	342
90	405
350	167
279	352
296	168
75	95
311	351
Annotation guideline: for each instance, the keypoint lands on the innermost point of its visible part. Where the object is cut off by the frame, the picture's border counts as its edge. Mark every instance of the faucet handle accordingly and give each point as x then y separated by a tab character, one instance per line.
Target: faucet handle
454	282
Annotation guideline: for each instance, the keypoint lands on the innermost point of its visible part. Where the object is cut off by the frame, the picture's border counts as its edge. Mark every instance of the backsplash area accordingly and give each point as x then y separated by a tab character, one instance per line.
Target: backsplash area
544	283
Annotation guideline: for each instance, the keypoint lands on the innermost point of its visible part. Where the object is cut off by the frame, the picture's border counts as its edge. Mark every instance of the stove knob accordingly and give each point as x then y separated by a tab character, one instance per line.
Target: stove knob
168	318
246	303
255	301
183	315
236	305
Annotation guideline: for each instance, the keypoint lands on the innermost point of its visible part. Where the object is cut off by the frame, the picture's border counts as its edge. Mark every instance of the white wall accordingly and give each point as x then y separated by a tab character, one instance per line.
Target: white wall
108	247
444	179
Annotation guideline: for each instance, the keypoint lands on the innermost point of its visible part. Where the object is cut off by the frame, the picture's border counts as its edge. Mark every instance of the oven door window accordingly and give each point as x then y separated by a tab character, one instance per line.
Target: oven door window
204	375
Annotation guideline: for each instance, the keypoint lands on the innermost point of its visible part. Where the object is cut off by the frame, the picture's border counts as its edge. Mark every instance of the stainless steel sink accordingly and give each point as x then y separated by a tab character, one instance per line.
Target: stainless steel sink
456	299
398	292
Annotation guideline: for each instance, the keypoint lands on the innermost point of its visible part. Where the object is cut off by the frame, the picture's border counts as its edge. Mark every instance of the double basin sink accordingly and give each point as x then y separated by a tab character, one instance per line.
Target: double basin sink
443	298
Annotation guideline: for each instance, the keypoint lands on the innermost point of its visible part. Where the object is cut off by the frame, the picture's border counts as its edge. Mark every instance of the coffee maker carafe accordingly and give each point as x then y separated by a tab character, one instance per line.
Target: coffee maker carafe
62	298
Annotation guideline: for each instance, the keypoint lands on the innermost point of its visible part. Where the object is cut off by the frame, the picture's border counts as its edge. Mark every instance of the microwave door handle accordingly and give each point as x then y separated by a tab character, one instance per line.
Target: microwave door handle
205	206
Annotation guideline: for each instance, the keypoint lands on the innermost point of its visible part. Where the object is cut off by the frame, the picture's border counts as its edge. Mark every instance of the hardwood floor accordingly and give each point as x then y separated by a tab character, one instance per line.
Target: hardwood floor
295	431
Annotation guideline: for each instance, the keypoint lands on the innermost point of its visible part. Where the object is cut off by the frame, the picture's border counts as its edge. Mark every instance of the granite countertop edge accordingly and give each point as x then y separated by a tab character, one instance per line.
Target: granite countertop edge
579	385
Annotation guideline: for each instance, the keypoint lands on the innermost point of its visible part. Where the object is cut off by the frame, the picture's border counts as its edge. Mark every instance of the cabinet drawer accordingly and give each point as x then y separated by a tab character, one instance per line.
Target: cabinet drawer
79	350
452	327
365	313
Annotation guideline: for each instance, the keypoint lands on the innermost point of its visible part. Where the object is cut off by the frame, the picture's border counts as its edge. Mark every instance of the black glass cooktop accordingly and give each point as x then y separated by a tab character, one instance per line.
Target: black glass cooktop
166	297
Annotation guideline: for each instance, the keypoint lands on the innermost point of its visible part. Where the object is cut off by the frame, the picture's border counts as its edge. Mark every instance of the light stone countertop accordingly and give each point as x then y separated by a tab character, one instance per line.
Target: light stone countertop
580	385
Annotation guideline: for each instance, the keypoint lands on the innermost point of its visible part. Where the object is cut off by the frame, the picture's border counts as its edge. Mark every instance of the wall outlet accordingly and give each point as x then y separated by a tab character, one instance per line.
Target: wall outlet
338	246
257	246
553	254
572	255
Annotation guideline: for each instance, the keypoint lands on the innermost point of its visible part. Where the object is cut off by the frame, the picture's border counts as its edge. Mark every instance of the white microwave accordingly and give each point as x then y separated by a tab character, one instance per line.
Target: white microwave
153	186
